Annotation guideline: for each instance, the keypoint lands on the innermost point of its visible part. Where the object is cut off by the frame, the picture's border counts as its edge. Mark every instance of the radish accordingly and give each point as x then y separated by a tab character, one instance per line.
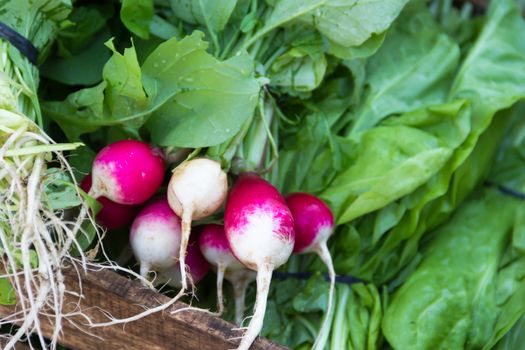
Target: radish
216	250
198	267
260	230
112	216
314	224
127	172
196	190
155	237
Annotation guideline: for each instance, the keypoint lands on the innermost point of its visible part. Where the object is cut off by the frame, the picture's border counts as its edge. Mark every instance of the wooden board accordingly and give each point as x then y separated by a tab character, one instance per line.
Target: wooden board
188	330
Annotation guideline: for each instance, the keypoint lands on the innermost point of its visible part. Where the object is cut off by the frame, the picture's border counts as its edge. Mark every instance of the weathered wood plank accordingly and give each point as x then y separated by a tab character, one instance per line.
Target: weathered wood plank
18	346
121	297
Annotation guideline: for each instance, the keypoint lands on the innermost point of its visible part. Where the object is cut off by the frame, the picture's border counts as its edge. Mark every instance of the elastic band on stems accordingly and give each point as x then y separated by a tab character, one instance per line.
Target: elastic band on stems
23	45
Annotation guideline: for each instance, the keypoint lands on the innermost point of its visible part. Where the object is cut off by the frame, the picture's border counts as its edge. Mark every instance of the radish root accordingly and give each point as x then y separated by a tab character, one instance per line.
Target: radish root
220	297
264	277
186	231
324	254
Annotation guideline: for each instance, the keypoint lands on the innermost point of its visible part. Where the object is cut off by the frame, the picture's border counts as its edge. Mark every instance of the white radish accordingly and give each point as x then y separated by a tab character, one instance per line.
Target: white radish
196	190
155	237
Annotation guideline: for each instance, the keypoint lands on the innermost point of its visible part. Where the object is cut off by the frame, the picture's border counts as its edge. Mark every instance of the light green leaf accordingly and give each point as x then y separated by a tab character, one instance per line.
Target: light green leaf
204	101
124	93
351	23
214	15
191	98
298	74
60	193
366	49
284	12
137	15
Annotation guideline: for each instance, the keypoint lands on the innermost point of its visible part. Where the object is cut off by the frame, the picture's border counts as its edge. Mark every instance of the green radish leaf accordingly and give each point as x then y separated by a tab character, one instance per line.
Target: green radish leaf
213	15
137	15
81	160
202	101
303	67
283	13
349	23
191	98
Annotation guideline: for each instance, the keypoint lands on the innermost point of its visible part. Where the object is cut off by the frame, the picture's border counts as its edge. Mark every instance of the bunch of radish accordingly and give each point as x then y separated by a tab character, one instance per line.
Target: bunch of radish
261	228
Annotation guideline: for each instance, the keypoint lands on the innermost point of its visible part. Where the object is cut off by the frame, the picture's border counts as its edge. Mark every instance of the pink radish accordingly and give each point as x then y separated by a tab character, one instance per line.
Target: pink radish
196	190
260	230
112	216
314	224
216	250
198	267
155	237
127	172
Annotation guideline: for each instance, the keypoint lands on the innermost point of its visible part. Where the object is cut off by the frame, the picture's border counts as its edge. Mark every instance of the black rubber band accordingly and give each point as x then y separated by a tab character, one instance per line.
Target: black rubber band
23	45
307	275
507	190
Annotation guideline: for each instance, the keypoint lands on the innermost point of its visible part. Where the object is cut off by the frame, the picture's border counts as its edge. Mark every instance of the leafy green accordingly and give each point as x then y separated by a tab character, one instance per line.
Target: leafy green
211	99
179	88
59	190
396	158
83	68
137	15
449	301
347	24
212	15
389	237
412	69
467	292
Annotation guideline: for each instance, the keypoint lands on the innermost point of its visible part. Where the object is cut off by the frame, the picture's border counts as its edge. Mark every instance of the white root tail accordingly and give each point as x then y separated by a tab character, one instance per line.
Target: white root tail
35	240
324	254
240	279
220	297
264	277
186	231
239	293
